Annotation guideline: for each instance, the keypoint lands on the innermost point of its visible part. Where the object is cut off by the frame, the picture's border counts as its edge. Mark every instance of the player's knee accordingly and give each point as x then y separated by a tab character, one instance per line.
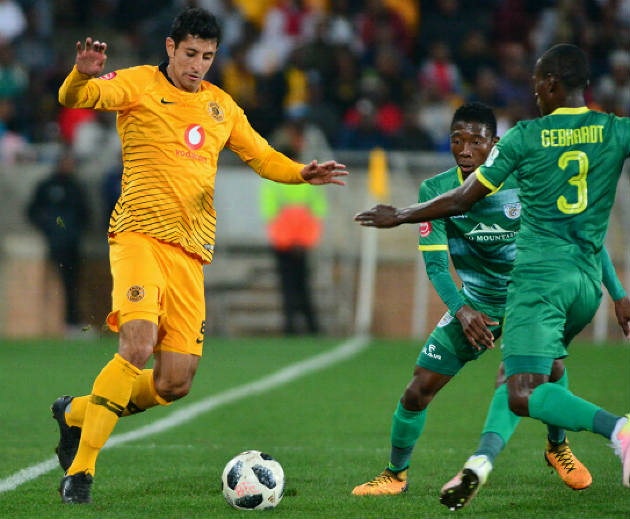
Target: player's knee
415	398
136	342
171	390
518	403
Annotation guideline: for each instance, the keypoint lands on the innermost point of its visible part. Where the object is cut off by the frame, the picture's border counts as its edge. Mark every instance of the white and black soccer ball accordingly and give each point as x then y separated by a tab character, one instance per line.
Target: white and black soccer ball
253	480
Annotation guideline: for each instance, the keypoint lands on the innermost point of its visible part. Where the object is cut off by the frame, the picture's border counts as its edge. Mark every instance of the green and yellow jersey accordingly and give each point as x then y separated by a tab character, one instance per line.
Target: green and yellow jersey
481	242
567	165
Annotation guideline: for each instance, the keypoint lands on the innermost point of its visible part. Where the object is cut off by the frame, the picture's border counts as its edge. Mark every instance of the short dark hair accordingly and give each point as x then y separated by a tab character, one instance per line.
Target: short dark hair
568	63
478	113
197	22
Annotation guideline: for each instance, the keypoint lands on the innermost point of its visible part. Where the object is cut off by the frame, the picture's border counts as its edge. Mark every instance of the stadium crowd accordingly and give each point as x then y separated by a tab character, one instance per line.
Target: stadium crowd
361	73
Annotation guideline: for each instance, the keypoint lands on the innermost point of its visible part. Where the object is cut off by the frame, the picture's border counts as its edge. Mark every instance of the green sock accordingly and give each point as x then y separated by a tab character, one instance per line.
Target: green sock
499	426
406	428
557	434
556	405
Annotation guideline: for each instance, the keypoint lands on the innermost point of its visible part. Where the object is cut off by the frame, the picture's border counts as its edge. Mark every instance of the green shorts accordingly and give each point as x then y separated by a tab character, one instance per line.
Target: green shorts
447	349
547	306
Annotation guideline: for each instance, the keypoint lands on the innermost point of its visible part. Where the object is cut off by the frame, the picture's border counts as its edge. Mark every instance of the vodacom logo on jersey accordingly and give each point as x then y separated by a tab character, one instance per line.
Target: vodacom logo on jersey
194	136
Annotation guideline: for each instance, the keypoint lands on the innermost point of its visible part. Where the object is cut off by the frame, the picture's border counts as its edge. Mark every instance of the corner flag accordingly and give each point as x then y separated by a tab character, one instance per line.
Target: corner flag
378	176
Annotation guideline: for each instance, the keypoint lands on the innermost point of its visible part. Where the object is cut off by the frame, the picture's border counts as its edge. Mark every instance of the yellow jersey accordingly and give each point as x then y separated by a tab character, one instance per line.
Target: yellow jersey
171	141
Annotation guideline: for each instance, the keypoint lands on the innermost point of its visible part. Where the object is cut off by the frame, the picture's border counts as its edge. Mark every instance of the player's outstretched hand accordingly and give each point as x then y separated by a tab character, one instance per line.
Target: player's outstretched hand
91	59
381	216
622	311
475	327
325	173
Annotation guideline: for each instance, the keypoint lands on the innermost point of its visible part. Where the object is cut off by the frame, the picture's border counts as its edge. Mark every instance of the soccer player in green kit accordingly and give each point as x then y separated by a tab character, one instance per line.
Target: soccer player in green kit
481	243
567	164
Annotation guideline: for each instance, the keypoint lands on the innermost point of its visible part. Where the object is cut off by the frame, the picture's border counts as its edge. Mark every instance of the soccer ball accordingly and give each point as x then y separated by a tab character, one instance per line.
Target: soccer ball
253	480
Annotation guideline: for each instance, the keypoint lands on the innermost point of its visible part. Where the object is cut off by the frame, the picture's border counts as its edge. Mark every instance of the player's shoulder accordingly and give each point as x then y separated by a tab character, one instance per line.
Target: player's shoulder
139	72
220	95
442	180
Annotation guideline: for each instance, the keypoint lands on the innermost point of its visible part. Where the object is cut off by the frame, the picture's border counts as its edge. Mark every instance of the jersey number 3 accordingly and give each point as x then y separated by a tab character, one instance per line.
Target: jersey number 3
578	181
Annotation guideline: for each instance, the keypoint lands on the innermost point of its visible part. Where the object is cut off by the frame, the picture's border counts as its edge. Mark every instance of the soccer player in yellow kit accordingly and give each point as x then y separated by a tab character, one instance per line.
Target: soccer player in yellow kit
172	126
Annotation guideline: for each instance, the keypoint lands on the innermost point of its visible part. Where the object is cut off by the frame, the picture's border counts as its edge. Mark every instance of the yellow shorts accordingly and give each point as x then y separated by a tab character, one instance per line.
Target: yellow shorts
158	282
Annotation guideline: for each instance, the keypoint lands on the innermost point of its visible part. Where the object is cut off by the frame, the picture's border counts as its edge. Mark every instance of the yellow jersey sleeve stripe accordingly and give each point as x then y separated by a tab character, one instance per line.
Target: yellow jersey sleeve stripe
485	181
432	247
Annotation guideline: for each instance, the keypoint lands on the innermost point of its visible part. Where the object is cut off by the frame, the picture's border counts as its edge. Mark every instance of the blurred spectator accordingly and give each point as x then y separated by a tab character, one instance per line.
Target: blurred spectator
344	85
58	209
340	30
512	22
474	54
373	120
380	25
412	136
613	89
13	147
486	89
305	140
439	72
515	74
294	214
238	81
13	76
110	189
33	48
319	110
444	20
13	20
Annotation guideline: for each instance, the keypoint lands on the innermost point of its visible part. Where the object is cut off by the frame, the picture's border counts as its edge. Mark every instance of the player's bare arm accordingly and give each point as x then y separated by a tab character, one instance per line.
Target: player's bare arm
454	202
91	58
622	311
325	173
475	326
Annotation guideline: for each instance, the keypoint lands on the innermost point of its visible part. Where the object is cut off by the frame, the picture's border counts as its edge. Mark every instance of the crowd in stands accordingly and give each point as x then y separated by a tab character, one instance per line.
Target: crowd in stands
363	73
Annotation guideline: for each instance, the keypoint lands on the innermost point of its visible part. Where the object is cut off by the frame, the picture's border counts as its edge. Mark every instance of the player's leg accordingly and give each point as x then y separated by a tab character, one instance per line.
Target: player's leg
439	360
499	427
109	397
138	282
529	357
407	424
558	454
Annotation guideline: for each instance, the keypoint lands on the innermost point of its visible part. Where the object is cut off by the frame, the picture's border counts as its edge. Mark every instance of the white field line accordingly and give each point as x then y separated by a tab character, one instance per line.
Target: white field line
185	414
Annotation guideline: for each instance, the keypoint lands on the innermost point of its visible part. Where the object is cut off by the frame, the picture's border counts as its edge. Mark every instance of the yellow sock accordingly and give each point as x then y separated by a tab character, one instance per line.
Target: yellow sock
75	417
143	394
109	398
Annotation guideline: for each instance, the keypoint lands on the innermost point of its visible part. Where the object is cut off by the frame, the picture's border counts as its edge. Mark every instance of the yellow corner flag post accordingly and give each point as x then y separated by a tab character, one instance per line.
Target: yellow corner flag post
378	175
377	191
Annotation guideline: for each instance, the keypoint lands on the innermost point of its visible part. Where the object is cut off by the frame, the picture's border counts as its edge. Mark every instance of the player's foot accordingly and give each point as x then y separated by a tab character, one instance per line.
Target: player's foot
621	443
386	483
569	468
68	436
76	488
459	491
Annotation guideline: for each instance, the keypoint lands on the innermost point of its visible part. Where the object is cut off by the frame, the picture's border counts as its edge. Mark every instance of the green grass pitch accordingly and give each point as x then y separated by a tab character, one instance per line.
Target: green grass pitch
329	430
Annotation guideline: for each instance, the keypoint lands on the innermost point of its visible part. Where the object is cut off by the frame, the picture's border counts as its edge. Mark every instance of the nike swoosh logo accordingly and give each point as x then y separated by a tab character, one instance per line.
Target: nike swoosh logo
165	102
199	341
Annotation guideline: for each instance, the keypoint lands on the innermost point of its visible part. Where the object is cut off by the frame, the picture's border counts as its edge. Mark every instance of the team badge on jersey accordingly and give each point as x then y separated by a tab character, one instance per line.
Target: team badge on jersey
494	153
135	293
109	75
215	111
195	136
425	229
512	211
446	318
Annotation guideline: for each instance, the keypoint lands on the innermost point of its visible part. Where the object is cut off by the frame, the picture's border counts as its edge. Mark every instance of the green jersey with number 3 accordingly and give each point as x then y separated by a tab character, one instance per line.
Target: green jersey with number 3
567	165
